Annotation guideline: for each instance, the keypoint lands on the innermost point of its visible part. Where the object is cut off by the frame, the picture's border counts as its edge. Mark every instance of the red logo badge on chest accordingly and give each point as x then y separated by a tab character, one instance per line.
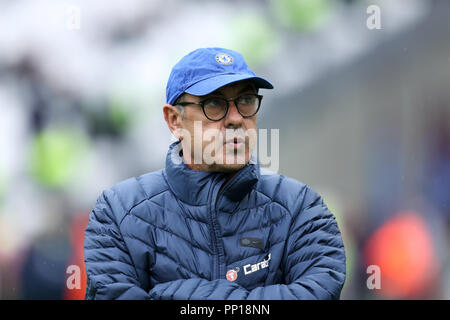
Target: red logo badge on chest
232	274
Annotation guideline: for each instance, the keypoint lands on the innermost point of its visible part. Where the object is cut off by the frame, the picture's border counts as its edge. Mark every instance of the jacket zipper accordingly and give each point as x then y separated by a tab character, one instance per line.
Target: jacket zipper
215	274
214	197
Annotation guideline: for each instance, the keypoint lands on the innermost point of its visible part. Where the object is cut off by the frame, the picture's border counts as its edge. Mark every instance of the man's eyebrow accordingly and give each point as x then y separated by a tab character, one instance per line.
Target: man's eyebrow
246	88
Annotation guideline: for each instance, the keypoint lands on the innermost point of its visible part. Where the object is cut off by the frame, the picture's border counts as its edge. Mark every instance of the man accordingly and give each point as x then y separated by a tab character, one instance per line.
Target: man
210	225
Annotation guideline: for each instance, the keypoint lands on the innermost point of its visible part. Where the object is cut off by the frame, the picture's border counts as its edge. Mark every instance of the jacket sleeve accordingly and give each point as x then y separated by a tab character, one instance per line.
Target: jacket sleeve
313	263
314	257
110	271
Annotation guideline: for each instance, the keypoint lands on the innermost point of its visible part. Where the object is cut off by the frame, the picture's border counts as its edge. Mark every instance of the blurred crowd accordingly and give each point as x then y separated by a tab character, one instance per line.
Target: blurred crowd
82	85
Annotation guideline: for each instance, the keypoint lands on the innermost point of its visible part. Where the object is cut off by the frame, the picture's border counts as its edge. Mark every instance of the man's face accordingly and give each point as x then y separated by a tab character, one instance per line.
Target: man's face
224	145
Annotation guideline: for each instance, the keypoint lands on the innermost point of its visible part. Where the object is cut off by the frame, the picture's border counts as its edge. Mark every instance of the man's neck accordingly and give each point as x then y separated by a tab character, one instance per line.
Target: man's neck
204	167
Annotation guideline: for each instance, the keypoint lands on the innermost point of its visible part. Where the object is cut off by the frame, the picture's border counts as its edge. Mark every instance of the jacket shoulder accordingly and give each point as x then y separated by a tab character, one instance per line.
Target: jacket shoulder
127	194
287	191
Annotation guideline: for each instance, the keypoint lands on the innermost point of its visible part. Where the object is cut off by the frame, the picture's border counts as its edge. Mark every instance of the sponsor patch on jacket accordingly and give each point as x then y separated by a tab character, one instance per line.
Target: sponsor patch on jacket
252	242
248	268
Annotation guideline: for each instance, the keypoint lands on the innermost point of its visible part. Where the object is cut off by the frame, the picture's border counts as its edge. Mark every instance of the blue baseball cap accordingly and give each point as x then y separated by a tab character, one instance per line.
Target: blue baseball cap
205	70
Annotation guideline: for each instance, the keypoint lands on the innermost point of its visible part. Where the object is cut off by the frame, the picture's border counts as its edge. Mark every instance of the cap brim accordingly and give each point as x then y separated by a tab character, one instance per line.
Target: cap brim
209	85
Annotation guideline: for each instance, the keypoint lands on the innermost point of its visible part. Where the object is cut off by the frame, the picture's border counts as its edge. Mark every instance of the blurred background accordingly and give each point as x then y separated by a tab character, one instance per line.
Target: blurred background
363	114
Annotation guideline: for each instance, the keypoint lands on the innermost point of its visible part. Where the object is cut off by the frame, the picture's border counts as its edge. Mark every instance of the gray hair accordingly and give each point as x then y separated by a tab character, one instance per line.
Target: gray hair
180	108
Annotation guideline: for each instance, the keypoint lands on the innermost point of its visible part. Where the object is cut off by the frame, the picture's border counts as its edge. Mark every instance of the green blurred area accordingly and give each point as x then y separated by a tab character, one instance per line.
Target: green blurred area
111	117
57	155
254	36
119	116
301	15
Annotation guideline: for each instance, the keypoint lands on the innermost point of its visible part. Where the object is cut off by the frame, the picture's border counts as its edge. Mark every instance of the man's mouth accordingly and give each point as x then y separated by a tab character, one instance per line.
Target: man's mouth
235	143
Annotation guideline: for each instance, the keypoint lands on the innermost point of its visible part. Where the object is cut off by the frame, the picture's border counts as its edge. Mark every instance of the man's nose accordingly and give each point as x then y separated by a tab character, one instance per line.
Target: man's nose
233	117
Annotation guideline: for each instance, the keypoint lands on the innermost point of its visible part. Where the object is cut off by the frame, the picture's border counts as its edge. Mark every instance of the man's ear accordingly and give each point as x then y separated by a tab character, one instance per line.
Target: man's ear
174	120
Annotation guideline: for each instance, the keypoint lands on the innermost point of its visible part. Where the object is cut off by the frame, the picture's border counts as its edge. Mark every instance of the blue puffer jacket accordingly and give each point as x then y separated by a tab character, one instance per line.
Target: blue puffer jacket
171	234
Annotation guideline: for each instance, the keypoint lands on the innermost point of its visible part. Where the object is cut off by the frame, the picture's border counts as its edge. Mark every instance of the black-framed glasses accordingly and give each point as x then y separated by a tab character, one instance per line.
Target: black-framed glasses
216	109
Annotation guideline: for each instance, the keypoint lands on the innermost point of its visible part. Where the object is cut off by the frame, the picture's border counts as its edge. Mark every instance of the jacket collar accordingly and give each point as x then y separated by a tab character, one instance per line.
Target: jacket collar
193	186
